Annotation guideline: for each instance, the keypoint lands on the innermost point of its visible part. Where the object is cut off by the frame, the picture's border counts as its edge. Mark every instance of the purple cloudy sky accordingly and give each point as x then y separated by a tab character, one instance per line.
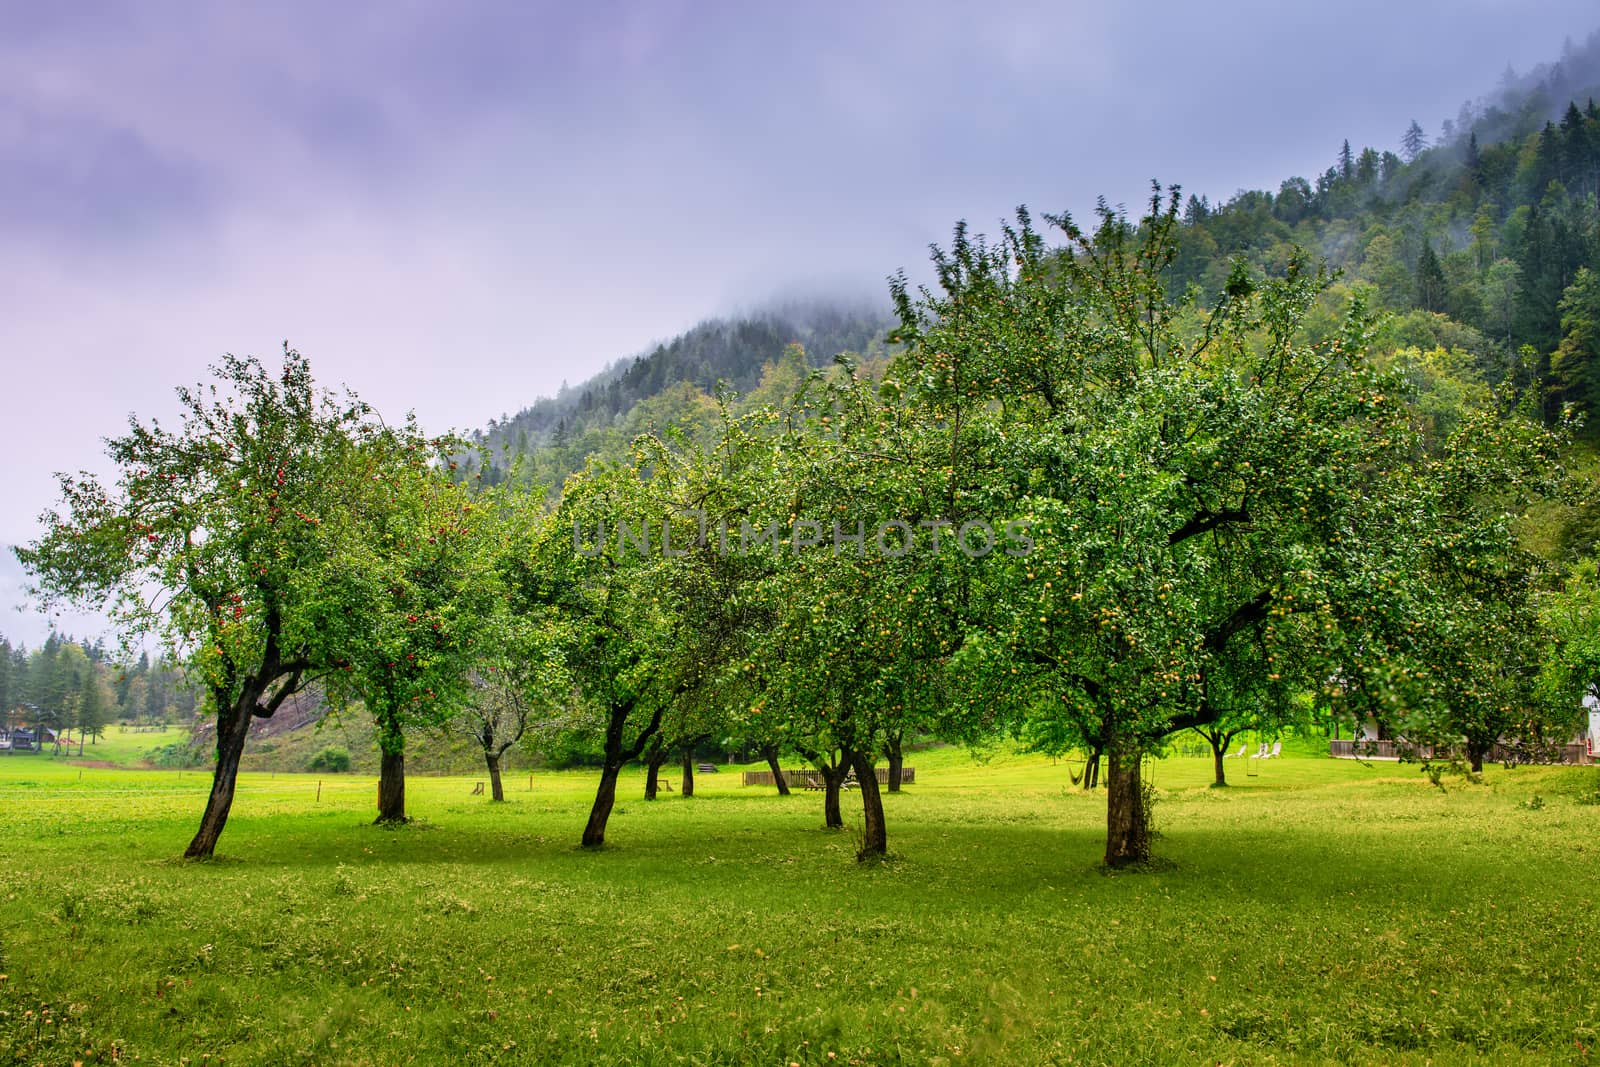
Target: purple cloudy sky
453	208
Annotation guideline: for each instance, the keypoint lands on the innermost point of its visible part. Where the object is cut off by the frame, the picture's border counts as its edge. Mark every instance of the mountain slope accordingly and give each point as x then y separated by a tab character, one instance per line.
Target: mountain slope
601	414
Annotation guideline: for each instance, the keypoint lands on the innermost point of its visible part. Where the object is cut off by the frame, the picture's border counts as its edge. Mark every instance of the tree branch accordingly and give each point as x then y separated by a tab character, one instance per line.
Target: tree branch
1249	613
1208	520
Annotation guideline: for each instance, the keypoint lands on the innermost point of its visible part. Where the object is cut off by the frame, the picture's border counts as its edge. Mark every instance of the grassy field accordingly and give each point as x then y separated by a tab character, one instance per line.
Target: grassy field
118	746
1324	911
292	750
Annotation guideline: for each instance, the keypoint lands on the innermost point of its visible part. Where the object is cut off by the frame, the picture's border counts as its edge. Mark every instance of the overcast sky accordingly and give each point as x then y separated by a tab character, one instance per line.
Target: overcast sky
452	208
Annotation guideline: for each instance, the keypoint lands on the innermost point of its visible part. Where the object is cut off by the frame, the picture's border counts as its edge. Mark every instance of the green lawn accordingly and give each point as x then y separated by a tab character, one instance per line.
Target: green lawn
1324	911
119	745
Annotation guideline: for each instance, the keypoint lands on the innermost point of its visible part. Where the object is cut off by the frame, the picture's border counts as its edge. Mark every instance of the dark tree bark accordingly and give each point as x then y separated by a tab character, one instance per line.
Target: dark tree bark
833	765
498	719
654	757
652	777
231	734
392	786
1091	769
874	834
1475	755
832	818
1127	826
618	753
771	754
233	728
495	788
594	833
1219	740
687	788
897	761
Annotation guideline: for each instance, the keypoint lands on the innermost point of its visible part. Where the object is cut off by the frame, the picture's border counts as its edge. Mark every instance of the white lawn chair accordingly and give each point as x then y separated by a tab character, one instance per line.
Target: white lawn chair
1277	750
1235	755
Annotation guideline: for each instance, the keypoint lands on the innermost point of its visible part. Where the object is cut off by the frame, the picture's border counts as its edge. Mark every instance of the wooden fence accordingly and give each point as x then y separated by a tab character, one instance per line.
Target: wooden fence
1573	753
810	777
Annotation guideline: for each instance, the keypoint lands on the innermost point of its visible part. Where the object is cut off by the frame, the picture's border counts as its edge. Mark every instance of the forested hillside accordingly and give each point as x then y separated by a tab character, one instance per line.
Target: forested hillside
1481	241
1482	238
672	384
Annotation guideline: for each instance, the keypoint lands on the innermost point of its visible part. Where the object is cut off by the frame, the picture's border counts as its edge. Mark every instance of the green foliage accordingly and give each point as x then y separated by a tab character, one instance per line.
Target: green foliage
179	755
220	538
1227	509
333	758
1575	366
1487	231
92	711
411	597
673	386
857	612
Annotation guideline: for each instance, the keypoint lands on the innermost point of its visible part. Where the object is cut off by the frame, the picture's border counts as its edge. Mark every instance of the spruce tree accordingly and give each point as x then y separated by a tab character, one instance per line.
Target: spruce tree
91	718
6	696
1432	288
1413	141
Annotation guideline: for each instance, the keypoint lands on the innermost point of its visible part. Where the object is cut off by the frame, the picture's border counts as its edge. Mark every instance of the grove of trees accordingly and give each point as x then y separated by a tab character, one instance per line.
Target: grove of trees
1070	509
79	688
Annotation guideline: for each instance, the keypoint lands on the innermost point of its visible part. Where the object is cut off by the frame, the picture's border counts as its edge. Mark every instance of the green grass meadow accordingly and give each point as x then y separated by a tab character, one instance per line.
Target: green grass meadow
1321	912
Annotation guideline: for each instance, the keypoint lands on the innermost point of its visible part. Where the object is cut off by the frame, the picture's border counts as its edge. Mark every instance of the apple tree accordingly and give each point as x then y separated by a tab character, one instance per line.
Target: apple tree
205	536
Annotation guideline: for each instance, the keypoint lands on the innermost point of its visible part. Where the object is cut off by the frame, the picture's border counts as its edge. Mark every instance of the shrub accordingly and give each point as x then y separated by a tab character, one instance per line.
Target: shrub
333	758
180	755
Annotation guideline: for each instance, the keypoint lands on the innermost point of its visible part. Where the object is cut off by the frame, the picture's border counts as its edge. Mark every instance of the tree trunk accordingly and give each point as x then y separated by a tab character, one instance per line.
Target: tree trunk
1475	754
687	789
897	762
777	771
392	786
1127	829
617	755
832	779
496	790
874	835
1091	770
652	776
1219	751
231	736
594	834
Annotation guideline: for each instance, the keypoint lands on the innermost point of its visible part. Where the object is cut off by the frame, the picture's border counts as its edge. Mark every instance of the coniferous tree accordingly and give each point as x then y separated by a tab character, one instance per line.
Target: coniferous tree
1413	141
1432	287
1368	165
92	710
7	697
1575	367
